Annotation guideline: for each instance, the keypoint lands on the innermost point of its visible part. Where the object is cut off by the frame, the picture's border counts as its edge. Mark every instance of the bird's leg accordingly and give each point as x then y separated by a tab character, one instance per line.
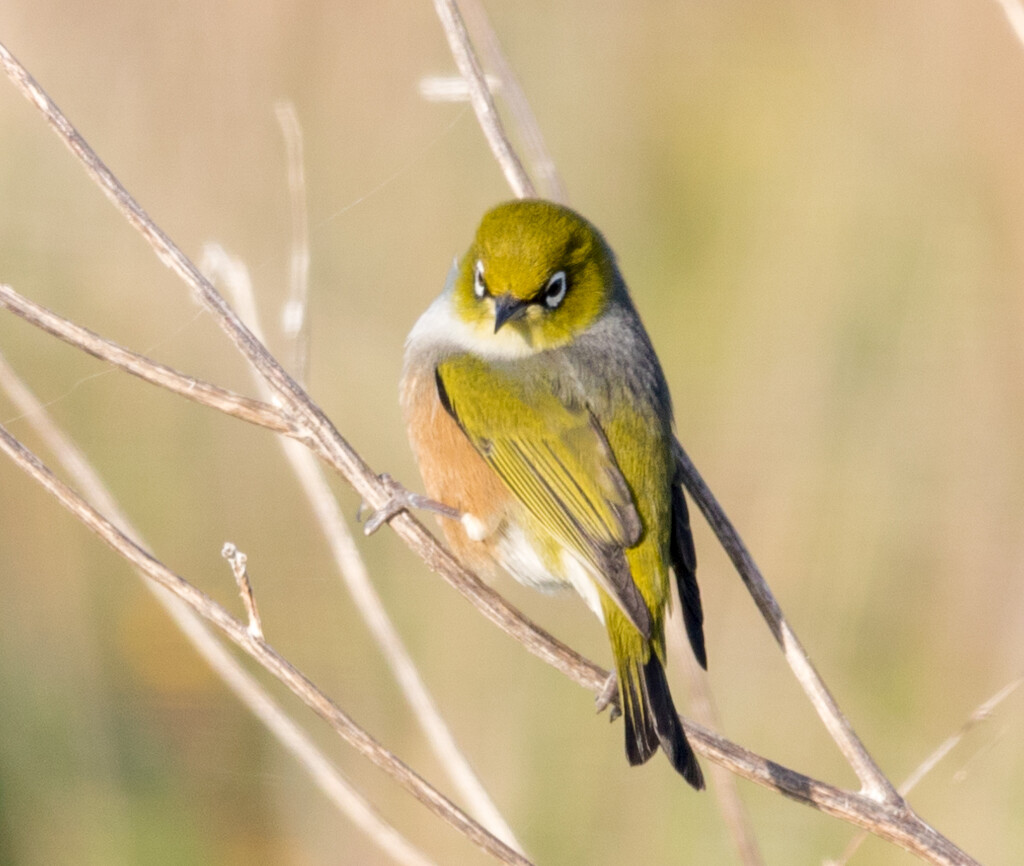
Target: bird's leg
607	696
400	500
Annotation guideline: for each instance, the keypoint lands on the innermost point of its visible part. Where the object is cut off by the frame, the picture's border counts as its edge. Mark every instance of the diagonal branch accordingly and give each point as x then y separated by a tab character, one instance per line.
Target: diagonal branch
228	402
481	100
873	780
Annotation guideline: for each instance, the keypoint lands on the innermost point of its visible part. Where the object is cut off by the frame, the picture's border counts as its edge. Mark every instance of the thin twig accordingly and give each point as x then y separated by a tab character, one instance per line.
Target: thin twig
239	568
723	783
982	714
538	157
253	411
259	650
348	801
451	88
352	568
874	781
481	99
295	318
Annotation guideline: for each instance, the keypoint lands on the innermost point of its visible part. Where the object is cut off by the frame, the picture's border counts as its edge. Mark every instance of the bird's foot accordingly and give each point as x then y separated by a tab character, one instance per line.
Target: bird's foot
401	500
607	697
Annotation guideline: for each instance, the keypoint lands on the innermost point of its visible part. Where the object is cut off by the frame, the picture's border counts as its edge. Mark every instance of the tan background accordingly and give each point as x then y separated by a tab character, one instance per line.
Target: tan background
820	209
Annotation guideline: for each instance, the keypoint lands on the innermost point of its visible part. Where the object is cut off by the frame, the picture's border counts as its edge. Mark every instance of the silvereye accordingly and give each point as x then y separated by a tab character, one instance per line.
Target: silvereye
538	411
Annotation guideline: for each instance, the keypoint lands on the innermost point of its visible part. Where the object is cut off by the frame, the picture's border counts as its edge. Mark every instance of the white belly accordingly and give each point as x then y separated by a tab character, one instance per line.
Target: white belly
521	560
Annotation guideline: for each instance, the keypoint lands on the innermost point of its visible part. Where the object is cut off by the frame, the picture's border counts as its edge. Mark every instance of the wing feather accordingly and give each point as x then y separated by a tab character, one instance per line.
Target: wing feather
556	460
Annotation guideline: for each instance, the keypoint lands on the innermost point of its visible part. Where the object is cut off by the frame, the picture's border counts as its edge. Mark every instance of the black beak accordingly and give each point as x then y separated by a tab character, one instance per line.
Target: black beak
506	307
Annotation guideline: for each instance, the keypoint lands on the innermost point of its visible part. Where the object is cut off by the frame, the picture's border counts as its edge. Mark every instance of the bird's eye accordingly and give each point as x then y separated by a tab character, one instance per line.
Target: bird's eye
554	291
479	286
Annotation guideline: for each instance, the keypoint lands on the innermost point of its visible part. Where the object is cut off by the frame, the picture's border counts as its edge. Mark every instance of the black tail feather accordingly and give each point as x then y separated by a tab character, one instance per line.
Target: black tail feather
684	564
651	721
641	735
670	730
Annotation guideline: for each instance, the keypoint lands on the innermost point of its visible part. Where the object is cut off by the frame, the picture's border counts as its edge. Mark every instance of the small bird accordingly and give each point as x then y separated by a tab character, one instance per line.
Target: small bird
542	425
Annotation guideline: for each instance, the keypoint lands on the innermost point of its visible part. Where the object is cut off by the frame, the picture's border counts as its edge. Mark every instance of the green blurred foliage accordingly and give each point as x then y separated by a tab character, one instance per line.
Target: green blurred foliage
820	211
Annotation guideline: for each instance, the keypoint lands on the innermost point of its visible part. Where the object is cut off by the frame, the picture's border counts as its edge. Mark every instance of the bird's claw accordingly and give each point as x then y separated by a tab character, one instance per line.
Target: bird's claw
608	697
400	499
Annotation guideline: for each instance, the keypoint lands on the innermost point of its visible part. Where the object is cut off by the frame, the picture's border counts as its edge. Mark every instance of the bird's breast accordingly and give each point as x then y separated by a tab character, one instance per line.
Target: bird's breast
453	472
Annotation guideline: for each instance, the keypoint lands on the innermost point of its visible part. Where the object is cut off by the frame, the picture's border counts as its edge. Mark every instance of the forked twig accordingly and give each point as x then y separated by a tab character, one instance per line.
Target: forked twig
981	714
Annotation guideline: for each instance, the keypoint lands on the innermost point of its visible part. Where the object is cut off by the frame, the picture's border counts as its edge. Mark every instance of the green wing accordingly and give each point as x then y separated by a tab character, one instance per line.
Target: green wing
556	460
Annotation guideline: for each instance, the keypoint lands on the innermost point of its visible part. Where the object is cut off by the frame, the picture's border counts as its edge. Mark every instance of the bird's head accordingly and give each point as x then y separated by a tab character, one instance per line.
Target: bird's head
537	275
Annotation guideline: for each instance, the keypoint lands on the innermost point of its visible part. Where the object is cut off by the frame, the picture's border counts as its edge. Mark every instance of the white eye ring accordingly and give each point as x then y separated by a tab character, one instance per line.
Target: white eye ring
554	291
479	286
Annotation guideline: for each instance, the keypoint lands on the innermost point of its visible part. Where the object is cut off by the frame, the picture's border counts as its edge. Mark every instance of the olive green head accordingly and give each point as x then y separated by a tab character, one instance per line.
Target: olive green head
536	275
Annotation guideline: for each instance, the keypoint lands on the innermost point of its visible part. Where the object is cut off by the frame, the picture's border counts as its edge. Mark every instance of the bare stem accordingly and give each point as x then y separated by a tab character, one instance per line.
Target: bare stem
723	783
253	411
239	568
873	780
295	317
481	99
981	714
524	121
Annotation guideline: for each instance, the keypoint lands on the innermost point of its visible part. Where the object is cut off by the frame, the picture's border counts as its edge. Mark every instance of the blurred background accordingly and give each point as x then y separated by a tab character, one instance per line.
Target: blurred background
820	210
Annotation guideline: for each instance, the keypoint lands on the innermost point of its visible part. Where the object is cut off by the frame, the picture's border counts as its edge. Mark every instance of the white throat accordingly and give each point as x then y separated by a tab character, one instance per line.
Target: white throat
439	326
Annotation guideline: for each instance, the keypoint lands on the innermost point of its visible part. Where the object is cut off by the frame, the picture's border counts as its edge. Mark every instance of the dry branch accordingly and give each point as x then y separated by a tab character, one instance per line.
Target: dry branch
874	782
253	411
524	122
481	100
981	714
